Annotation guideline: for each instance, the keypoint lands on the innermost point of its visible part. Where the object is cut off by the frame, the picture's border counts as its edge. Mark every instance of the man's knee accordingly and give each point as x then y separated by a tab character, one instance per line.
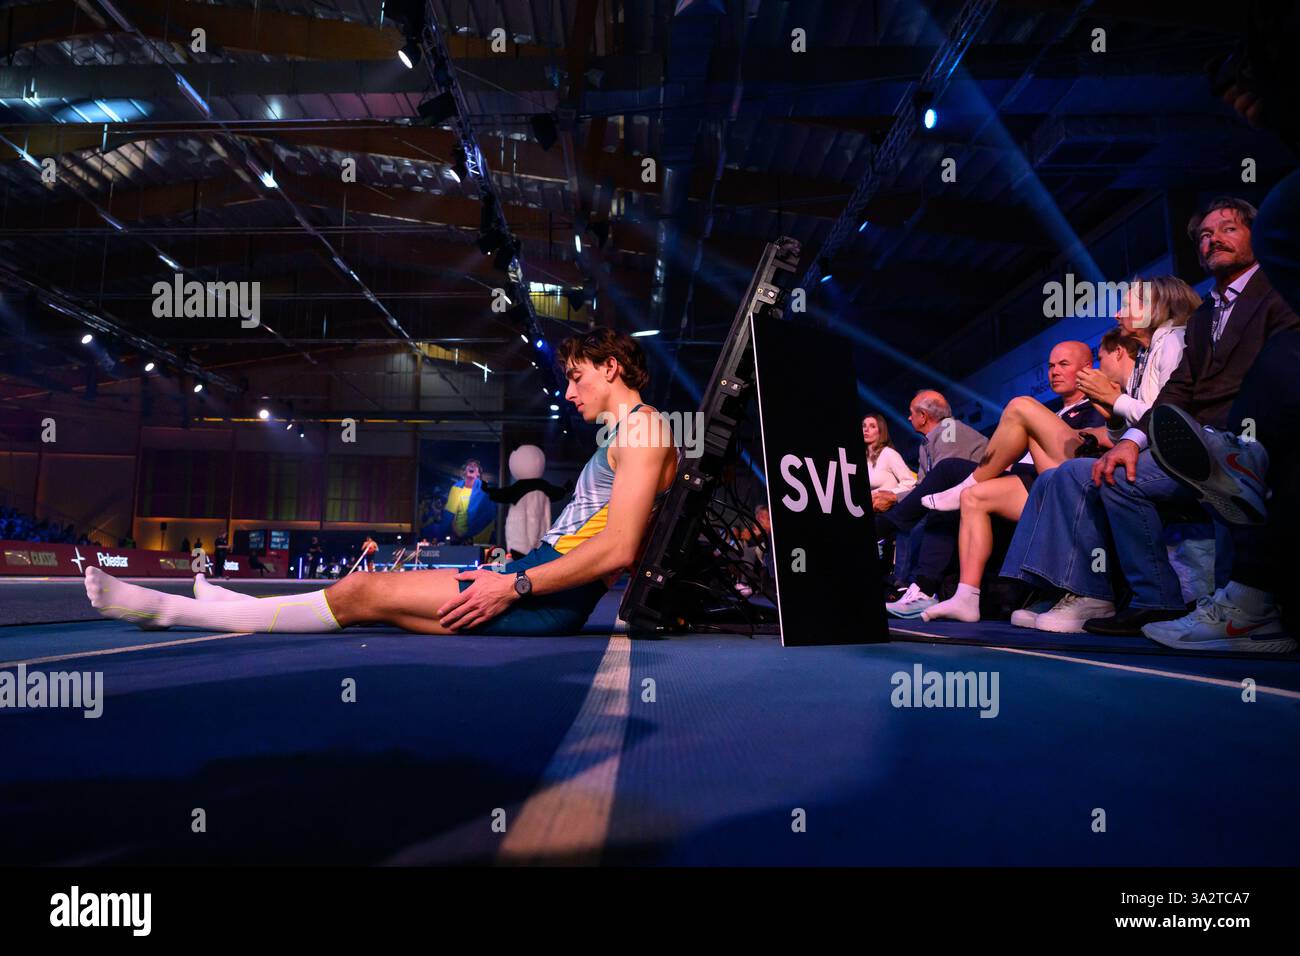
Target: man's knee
977	498
354	594
1018	409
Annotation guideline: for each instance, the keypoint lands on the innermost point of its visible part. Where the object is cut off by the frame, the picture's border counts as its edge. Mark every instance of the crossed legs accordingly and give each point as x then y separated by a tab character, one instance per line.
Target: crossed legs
1027	425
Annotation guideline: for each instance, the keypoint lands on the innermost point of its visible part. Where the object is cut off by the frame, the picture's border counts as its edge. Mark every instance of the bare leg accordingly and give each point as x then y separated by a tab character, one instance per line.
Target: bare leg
409	601
1026	423
1005	497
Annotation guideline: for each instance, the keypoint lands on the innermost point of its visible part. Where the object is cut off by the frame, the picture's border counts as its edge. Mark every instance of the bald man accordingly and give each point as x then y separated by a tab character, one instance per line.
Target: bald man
1063	367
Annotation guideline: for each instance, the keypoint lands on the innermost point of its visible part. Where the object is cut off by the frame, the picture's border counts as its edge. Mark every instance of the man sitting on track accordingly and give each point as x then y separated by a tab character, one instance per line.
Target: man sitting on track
550	590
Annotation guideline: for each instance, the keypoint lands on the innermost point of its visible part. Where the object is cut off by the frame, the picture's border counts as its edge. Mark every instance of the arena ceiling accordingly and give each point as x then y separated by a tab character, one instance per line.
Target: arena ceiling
1054	142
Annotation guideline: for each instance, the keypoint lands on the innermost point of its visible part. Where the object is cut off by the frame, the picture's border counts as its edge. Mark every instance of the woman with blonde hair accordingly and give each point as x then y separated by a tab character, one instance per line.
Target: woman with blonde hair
1161	330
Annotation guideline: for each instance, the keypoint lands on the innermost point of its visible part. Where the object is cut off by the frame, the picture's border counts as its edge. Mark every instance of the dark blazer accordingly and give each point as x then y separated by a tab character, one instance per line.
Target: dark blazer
1207	380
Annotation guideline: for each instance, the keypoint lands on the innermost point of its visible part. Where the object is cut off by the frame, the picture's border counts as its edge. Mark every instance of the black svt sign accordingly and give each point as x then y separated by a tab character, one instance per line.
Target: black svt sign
828	575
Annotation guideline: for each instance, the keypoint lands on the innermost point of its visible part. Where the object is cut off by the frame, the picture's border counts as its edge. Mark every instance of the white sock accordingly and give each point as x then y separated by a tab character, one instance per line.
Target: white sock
287	614
1253	601
962	606
950	498
205	590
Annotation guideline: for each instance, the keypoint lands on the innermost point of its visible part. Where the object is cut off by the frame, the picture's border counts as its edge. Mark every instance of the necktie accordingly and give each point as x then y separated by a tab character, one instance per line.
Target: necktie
1221	305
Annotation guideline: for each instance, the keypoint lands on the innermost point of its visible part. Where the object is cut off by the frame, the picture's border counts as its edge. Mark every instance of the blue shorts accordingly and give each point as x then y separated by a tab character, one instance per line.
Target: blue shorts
560	612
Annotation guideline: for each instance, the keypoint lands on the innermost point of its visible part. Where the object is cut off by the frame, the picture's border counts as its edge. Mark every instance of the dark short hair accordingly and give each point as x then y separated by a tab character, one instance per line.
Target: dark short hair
600	345
1242	208
1118	338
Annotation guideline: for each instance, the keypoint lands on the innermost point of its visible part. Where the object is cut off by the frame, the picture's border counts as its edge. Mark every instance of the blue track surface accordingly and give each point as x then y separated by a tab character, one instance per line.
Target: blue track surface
741	735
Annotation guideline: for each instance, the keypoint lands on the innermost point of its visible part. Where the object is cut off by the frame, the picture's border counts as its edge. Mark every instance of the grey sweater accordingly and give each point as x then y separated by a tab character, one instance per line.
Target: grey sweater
952	439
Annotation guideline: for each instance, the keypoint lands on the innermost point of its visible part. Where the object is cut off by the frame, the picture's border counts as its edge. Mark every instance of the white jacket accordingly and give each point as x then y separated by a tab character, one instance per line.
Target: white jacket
1165	354
890	473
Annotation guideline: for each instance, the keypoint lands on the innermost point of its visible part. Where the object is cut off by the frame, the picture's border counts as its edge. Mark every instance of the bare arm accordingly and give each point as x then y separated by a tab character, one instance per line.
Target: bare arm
636	480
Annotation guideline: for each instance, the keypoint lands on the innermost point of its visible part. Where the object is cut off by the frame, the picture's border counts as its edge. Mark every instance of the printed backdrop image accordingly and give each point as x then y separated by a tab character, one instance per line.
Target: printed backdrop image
453	505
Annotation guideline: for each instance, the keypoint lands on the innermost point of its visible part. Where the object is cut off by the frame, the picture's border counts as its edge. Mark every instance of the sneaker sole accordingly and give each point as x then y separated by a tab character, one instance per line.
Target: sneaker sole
1178	449
908	615
1052	627
1280	645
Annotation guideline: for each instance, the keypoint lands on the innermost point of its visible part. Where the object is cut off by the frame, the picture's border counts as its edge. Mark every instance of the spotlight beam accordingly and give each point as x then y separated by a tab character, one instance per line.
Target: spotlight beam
887	160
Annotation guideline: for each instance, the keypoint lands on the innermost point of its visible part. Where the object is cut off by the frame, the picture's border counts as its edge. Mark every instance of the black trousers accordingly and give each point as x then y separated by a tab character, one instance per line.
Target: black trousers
938	537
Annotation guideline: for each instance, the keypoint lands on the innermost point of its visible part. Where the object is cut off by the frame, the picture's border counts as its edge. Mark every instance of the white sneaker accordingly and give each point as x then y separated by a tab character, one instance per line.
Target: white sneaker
1070	612
1219	625
911	604
1224	471
1024	618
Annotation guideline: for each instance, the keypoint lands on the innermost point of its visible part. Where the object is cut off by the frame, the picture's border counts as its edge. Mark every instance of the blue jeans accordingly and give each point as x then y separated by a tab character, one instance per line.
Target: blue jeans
1070	526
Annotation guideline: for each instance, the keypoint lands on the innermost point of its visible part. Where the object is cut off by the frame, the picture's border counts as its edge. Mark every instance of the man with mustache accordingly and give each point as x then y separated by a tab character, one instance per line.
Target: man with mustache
1111	507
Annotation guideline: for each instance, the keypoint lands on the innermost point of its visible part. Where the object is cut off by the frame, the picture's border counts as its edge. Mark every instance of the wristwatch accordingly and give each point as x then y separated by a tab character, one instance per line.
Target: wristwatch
523	586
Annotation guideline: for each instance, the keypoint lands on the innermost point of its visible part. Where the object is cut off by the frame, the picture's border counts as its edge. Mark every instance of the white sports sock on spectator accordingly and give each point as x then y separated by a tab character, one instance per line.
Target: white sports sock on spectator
950	498
962	606
287	614
1253	601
